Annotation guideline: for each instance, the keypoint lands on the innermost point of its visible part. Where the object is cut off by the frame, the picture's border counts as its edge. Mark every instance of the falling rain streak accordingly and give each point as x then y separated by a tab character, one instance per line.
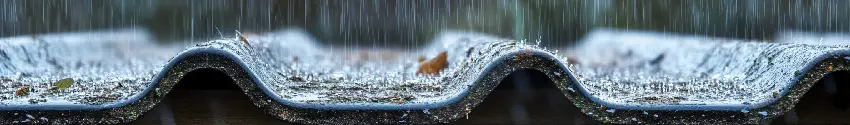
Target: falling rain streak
387	29
410	24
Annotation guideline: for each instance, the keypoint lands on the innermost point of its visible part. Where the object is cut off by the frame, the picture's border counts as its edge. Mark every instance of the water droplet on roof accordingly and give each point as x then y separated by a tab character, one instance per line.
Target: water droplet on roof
745	110
763	113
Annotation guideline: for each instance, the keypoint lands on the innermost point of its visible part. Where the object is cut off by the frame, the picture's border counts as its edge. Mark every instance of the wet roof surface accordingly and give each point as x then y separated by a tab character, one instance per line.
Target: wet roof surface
649	69
614	76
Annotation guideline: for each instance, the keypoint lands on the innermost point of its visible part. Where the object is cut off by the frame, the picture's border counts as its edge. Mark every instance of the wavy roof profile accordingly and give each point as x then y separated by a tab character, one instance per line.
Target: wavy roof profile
615	76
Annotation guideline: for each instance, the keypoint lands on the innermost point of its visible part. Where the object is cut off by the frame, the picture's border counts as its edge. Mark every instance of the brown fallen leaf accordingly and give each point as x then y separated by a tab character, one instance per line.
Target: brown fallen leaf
243	39
433	66
23	91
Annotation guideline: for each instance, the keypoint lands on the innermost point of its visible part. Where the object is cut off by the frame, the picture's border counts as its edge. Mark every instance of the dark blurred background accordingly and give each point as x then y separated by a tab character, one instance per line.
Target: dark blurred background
408	23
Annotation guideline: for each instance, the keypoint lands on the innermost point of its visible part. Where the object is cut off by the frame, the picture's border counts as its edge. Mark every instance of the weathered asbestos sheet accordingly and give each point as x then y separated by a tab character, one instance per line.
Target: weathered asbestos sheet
107	67
614	76
695	79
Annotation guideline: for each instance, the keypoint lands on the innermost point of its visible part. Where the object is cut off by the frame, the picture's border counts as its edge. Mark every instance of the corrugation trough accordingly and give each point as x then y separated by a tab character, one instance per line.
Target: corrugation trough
613	76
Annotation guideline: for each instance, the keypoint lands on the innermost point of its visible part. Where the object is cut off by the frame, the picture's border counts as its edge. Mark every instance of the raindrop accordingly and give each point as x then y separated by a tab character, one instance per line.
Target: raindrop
426	111
763	113
745	110
611	110
538	42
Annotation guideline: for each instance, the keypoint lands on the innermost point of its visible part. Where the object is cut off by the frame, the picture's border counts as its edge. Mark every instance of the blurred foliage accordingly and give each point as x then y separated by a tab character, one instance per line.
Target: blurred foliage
18	17
406	23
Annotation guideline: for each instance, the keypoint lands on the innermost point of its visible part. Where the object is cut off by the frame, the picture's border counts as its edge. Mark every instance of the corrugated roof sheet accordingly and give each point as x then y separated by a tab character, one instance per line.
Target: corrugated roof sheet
615	76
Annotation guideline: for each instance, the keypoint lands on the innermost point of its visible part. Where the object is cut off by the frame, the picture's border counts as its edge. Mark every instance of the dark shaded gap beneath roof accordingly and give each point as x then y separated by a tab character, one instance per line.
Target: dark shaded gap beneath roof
206	96
827	102
207	79
526	97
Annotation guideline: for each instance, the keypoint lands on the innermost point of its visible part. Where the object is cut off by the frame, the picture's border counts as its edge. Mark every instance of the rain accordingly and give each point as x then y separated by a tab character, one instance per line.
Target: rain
743	58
